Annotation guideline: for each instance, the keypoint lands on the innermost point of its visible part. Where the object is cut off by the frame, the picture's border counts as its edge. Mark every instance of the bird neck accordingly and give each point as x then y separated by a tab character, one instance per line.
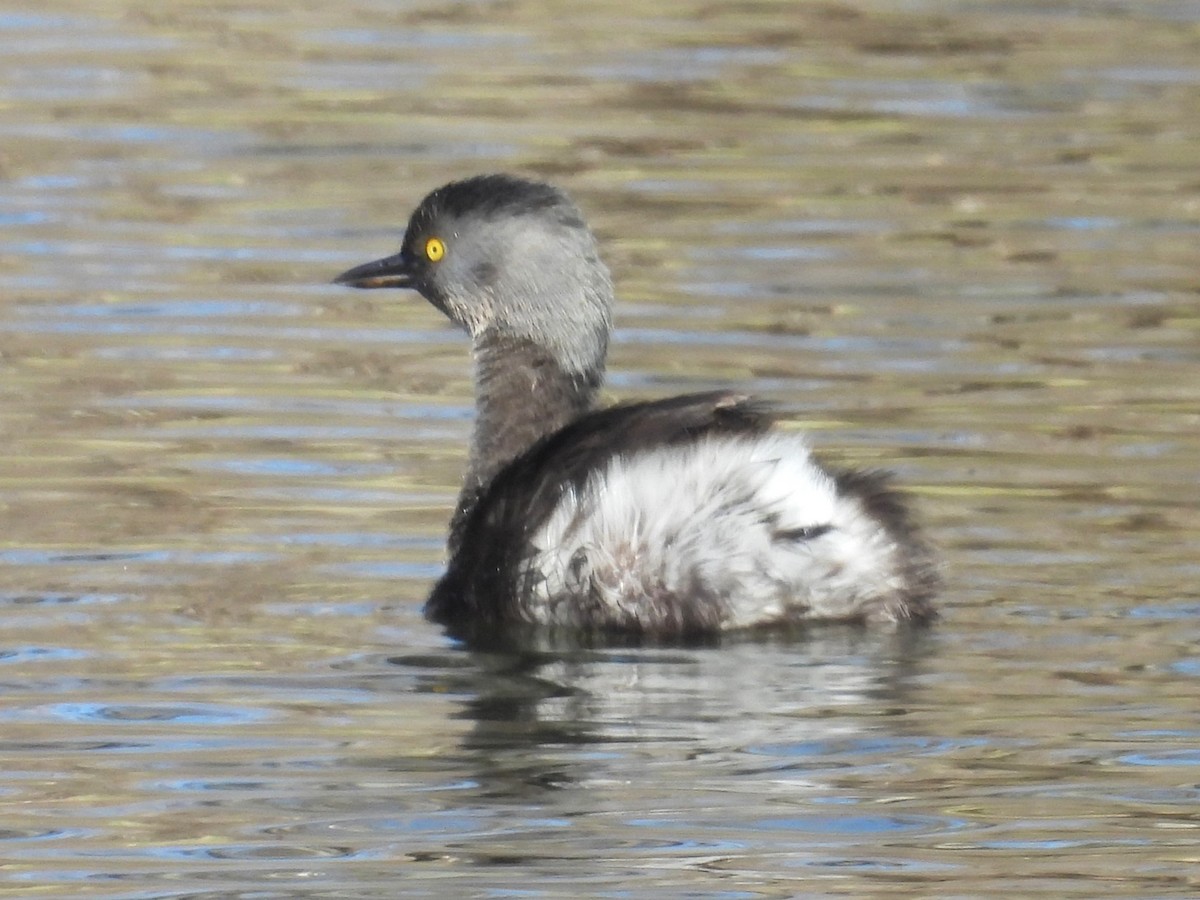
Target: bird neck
522	394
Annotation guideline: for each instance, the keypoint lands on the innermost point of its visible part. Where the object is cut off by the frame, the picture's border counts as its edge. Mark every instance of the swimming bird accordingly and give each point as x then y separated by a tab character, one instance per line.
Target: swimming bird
690	515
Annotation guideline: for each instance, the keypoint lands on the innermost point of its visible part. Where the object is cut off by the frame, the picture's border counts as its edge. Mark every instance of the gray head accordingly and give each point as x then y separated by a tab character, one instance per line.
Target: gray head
505	258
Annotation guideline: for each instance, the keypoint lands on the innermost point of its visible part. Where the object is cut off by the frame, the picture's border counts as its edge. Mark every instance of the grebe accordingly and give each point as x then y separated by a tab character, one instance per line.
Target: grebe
676	517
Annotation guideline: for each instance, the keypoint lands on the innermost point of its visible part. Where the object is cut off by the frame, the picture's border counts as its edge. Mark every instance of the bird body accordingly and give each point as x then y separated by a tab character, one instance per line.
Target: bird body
683	516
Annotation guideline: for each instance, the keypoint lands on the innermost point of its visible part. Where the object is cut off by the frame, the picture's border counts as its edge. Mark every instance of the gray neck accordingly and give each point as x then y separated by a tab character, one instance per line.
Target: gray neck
522	394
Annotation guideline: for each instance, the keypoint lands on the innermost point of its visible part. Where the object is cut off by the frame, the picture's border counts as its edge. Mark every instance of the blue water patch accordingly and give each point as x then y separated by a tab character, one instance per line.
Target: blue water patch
23	556
144	134
336	495
1187	667
68	83
925	97
860	825
1186	757
671	64
55	182
165	309
348	539
788	253
1044	844
886	354
161	744
188	354
140	714
670	186
8	835
291	467
390	571
341	406
203	786
908	866
1057	844
398	430
1085	223
392	38
868	826
241	254
40	654
38	324
866	749
34	557
1185	610
186	714
1154	75
318	609
282	852
1184	795
29	217
801	227
676	336
26	21
54	599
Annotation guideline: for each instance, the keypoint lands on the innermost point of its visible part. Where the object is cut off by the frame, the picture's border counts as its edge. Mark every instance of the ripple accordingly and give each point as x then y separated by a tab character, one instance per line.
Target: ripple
1187	666
411	571
251	852
34	557
1187	757
184	714
165	744
191	786
34	324
866	826
29	217
174	309
291	467
680	64
1185	610
187	354
385	539
27	21
908	866
59	599
866	749
253	403
40	654
8	835
391	38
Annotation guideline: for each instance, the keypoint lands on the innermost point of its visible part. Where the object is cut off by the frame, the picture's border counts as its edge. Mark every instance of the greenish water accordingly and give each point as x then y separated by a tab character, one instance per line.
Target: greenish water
953	239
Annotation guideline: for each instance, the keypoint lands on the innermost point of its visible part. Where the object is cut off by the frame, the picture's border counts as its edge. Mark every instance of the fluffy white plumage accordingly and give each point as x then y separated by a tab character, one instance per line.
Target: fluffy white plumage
751	523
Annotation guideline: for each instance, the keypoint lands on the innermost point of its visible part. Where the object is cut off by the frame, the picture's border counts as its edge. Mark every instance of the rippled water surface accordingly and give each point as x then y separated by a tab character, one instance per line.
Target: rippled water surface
960	240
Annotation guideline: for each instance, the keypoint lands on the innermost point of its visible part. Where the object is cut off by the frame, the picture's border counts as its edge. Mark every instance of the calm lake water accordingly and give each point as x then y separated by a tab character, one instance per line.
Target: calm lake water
959	240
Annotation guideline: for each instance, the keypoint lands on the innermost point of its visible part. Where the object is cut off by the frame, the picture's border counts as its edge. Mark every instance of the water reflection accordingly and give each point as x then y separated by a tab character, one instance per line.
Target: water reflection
546	719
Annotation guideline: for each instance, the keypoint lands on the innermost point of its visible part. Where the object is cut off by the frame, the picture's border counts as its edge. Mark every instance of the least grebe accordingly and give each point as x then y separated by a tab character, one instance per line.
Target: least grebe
688	515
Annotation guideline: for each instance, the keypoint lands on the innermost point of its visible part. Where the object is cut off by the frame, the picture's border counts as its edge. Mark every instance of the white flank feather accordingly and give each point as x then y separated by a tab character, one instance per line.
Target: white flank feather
750	525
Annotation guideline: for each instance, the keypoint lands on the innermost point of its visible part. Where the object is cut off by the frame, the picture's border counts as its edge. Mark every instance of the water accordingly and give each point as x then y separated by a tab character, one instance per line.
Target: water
957	240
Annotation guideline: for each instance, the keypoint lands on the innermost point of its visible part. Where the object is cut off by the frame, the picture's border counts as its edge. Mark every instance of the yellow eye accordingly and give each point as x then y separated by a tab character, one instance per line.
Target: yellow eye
434	249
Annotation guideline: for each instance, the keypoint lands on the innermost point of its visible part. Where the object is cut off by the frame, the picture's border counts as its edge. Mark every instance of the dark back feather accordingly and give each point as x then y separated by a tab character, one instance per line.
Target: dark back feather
889	506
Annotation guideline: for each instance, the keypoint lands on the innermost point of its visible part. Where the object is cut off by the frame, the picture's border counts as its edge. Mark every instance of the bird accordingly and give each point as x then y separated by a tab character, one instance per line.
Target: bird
688	516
